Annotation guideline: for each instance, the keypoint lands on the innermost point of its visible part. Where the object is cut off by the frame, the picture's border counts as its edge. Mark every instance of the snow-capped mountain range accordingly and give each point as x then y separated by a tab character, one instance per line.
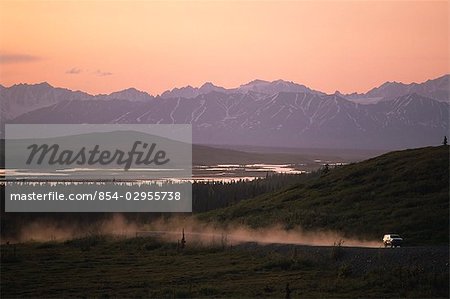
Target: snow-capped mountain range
278	113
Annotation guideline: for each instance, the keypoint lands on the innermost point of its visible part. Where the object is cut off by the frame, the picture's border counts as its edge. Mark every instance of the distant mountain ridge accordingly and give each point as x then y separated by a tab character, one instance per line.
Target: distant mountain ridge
256	86
259	113
284	119
192	92
21	98
43	94
438	89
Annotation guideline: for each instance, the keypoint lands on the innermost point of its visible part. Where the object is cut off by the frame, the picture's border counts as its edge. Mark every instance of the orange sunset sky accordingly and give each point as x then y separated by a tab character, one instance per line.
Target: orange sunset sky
105	46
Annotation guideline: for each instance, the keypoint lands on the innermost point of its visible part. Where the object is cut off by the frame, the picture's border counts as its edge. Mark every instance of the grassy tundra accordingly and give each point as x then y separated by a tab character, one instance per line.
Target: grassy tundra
144	267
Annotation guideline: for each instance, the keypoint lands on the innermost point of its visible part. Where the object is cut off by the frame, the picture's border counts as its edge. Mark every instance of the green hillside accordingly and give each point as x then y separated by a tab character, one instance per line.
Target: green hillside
406	192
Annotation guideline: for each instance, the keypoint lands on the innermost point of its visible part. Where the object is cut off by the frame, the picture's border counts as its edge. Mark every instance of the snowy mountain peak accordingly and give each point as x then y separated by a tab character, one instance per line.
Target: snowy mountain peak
28	85
255	82
207	85
131	94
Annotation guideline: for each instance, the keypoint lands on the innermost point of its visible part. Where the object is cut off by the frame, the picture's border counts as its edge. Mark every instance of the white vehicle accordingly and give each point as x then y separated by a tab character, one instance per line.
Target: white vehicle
392	240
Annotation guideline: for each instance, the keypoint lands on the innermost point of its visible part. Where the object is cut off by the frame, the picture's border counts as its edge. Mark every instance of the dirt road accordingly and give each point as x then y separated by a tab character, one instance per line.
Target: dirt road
362	259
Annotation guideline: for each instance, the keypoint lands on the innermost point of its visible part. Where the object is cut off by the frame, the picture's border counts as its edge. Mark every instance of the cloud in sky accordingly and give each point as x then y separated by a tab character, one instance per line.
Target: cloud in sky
102	73
74	71
98	72
17	58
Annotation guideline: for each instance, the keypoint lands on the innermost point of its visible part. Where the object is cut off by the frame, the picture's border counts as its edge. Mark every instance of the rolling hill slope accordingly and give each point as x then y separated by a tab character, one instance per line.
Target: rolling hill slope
404	191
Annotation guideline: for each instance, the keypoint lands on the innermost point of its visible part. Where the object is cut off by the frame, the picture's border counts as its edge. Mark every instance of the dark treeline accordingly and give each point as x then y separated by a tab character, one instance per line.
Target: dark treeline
208	196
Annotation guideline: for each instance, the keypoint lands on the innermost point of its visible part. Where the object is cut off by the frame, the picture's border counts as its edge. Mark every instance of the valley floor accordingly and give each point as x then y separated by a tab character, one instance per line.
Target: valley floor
100	266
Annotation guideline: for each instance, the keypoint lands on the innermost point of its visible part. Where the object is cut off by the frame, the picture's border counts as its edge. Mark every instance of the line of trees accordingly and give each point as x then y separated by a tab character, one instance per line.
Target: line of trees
215	195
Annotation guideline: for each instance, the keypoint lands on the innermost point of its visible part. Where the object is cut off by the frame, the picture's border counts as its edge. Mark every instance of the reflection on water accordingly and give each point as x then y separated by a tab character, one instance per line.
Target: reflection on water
233	172
200	173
